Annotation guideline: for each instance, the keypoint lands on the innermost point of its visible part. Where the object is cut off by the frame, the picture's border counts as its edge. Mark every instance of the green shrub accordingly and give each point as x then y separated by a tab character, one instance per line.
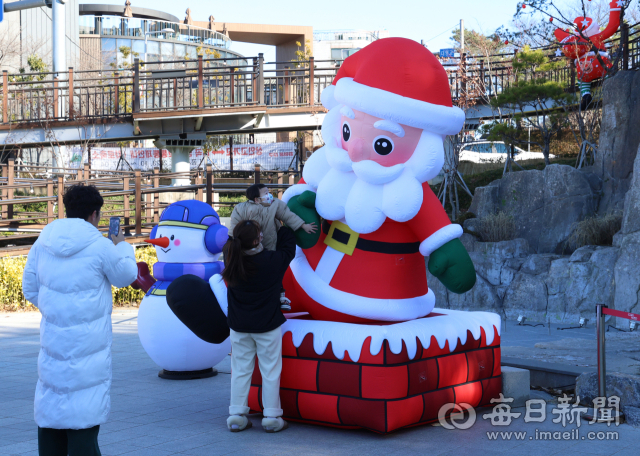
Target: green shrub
12	269
595	230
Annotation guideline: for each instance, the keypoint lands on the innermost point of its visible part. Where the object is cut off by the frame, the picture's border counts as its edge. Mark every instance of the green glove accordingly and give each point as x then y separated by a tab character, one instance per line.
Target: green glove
304	206
453	267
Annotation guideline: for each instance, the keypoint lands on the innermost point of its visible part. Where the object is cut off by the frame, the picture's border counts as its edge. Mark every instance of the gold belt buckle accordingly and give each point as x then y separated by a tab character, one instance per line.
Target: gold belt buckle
338	241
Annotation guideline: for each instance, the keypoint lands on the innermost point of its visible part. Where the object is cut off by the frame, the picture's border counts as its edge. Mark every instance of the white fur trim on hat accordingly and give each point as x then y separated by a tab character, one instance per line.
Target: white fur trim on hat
440	119
440	238
327	97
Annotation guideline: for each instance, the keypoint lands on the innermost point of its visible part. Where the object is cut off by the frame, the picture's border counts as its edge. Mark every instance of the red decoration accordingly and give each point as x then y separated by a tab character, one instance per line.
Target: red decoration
578	45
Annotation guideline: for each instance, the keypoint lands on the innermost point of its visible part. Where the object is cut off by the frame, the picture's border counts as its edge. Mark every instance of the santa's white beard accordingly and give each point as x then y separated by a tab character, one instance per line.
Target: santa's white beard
363	194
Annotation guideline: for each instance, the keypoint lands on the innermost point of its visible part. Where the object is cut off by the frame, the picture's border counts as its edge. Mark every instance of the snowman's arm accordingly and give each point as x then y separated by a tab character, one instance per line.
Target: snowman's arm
191	299
144	281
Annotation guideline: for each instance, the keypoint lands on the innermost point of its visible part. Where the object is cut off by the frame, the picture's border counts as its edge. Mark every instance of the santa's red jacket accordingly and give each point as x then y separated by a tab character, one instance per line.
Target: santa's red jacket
379	276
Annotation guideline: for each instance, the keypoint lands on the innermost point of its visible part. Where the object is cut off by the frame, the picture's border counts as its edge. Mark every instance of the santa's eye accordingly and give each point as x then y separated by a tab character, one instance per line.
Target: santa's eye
346	132
172	236
383	145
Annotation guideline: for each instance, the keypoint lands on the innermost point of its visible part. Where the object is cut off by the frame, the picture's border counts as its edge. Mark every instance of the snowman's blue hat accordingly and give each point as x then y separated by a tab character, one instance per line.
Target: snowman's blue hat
189	214
197	215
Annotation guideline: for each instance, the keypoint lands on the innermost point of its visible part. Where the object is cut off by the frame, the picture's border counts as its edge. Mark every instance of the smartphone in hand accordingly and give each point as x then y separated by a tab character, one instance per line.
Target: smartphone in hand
114	227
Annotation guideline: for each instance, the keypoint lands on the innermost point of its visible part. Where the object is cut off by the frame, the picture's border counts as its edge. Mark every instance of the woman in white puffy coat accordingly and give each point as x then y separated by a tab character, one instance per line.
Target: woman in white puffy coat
68	276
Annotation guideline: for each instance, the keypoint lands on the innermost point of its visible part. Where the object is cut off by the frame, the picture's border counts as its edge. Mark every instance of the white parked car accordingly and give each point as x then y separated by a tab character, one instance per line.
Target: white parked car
494	152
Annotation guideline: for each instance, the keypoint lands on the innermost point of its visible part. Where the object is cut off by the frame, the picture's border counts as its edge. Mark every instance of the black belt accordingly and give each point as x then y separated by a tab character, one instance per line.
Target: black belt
392	248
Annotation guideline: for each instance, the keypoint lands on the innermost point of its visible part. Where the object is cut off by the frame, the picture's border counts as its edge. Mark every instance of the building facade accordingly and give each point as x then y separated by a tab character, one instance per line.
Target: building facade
111	40
340	44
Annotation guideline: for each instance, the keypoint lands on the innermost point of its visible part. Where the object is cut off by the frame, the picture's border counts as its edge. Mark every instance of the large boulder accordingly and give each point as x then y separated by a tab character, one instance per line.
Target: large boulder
545	205
619	138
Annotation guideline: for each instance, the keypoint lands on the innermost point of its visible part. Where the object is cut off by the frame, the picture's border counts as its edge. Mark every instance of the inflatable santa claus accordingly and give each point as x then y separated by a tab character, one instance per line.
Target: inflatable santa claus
582	43
389	112
363	346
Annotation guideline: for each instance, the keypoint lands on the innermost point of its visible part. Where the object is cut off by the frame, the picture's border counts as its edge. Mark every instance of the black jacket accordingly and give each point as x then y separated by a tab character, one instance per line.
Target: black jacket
254	305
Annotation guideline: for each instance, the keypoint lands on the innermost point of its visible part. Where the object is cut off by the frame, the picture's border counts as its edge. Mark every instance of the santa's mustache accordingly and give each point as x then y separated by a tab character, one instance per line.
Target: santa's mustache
367	170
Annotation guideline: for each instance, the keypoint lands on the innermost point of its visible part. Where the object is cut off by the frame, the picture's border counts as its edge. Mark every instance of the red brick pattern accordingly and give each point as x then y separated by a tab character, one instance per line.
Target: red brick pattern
386	391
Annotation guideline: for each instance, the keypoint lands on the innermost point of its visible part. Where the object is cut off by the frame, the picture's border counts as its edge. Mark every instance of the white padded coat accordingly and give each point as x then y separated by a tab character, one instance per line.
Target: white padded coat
68	276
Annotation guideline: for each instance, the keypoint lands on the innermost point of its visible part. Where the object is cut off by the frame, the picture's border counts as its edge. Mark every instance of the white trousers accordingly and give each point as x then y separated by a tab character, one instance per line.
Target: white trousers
244	347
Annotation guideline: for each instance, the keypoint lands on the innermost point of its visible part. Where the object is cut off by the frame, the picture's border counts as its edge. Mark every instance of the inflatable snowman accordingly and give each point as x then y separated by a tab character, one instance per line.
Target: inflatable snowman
188	240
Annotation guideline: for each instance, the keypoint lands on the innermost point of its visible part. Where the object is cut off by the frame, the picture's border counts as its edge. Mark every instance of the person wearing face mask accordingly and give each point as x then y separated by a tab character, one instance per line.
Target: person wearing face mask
269	213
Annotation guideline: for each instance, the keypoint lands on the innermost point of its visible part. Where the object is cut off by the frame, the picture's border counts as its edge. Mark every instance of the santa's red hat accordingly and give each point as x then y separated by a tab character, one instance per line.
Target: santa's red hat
400	80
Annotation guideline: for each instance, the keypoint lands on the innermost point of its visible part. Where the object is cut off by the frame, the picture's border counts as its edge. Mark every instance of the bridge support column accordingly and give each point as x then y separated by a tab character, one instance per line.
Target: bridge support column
180	164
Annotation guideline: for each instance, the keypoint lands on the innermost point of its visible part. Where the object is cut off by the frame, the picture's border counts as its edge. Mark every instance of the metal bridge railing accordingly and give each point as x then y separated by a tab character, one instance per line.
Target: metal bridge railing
200	84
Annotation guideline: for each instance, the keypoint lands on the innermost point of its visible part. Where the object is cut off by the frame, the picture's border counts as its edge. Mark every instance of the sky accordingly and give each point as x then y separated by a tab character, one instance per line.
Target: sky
428	20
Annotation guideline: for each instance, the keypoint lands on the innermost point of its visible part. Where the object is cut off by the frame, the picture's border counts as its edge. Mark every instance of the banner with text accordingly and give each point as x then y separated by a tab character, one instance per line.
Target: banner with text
274	156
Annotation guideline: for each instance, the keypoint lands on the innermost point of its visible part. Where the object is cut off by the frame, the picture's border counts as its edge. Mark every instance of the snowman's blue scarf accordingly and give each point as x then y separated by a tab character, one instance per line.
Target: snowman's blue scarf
171	271
165	273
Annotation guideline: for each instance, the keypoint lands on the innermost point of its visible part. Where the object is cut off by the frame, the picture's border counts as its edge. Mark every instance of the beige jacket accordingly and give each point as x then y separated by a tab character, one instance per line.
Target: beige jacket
268	217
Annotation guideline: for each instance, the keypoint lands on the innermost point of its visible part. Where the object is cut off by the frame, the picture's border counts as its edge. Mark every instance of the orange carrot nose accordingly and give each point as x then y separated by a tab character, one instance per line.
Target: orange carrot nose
161	241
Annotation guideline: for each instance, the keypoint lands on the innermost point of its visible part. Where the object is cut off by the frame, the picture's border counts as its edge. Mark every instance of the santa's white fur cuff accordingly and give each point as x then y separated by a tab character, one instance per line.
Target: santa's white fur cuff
295	190
440	238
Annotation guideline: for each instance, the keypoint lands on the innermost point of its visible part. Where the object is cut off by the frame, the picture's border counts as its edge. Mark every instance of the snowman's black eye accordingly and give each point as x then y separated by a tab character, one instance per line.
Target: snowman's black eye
172	236
383	145
346	132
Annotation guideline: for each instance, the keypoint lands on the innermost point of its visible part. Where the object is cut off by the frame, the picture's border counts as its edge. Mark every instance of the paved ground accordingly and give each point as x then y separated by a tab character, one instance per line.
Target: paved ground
158	417
576	347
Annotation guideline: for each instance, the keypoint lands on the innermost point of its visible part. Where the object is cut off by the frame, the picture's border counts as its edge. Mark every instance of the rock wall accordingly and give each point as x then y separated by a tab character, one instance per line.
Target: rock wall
512	281
627	268
545	204
619	138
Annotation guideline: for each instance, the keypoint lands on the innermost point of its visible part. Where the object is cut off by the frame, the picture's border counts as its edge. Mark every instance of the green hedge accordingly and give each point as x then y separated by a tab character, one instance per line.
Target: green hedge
11	270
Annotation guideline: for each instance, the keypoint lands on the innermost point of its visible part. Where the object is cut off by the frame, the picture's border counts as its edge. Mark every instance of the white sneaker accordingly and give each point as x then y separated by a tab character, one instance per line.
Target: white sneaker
274	424
237	423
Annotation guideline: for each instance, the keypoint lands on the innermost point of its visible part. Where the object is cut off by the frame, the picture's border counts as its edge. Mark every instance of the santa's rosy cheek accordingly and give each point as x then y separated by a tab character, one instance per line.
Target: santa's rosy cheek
176	242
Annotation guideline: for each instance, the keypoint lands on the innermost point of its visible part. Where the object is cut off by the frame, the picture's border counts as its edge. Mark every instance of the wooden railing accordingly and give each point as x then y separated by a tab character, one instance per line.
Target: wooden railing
221	83
132	195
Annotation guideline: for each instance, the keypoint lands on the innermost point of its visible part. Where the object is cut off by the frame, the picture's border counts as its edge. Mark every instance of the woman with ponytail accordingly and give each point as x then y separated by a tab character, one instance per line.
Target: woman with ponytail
254	279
